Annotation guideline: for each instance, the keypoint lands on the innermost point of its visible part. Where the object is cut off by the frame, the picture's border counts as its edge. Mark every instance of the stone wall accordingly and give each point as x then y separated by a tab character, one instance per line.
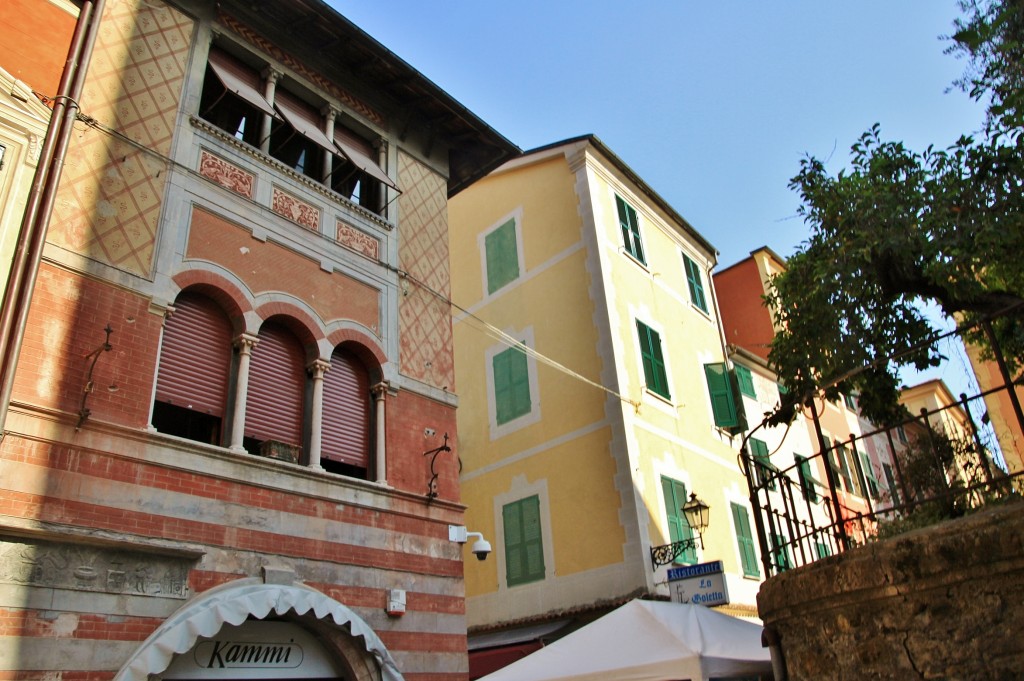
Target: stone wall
943	602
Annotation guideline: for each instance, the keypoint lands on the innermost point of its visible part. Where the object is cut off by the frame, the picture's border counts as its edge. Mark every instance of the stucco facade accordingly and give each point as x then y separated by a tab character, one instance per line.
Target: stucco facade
606	428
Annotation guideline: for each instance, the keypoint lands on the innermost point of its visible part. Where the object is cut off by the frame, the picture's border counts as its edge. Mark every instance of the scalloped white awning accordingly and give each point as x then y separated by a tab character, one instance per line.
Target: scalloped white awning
232	603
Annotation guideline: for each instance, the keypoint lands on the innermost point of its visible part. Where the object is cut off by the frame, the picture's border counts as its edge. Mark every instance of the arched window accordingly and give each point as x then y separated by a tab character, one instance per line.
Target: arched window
192	381
345	434
273	406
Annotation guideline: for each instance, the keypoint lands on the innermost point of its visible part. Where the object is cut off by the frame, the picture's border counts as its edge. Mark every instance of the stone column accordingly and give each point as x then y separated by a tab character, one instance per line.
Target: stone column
316	371
380	451
330	114
272	77
245	344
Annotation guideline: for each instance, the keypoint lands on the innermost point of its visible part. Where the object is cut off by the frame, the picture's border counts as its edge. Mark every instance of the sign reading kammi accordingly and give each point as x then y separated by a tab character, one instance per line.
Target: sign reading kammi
228	654
701	584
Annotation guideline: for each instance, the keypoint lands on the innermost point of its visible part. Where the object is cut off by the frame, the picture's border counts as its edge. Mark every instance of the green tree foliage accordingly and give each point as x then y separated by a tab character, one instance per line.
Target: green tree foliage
900	228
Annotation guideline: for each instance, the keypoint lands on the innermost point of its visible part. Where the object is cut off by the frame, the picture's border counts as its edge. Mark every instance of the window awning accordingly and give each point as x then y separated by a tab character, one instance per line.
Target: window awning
361	159
302	124
237	79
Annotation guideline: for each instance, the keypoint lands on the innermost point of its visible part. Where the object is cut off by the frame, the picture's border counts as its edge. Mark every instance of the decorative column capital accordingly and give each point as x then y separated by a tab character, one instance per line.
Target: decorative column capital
245	343
317	368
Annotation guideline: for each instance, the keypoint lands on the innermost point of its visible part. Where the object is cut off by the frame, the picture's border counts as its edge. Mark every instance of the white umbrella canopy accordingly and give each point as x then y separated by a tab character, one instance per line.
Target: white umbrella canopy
648	641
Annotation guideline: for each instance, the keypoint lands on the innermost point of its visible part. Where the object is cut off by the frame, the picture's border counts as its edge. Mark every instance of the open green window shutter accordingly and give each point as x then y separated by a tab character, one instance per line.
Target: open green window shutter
722	403
746	381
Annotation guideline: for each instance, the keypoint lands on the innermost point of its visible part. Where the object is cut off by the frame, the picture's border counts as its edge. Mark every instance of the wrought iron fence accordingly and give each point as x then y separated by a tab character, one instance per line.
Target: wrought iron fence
875	483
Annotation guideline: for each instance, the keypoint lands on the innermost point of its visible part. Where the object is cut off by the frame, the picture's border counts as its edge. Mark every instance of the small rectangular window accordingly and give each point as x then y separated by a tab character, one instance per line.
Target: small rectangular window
745	541
501	256
746	381
630	227
524	545
723	405
511	385
695	284
890	480
678	529
655	375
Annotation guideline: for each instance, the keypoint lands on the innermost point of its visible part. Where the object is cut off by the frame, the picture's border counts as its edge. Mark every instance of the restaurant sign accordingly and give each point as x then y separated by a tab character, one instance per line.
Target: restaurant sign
700	584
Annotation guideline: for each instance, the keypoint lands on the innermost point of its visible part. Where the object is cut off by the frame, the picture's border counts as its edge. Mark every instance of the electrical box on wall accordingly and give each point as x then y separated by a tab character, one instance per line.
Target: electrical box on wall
396	602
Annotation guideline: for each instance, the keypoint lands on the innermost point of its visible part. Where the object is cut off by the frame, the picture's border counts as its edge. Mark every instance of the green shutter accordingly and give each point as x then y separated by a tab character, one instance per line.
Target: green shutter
869	473
654	362
763	464
630	226
694	281
722	403
678	529
745	541
822	550
746	381
780	553
502	256
890	480
524	546
807	481
511	385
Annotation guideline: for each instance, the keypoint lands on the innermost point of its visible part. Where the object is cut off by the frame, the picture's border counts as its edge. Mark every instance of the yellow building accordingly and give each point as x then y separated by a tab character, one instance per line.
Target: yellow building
591	371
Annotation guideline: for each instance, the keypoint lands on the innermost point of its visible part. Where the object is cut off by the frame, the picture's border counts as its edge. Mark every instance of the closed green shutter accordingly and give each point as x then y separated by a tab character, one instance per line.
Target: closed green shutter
762	463
524	546
693	280
502	256
745	541
678	529
655	374
780	553
630	226
890	480
869	473
822	550
746	381
511	385
720	389
807	481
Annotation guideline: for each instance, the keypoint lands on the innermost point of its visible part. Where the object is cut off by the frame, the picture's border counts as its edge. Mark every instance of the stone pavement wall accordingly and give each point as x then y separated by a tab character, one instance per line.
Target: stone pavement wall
944	602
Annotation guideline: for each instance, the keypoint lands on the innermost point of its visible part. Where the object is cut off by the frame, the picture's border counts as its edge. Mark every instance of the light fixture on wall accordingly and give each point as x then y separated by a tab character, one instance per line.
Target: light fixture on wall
697	515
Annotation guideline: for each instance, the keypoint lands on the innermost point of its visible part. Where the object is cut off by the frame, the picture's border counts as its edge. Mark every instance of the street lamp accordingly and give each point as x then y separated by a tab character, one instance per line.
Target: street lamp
696	513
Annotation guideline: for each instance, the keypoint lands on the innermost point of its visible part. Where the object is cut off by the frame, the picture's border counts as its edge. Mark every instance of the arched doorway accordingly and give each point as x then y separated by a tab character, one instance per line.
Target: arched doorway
251	630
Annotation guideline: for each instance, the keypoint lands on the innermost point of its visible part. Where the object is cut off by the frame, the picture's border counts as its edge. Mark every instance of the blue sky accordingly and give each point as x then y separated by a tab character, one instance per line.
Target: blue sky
712	103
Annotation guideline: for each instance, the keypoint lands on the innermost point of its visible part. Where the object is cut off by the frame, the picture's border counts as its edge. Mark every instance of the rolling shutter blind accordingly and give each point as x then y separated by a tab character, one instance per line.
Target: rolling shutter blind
277	376
195	357
345	434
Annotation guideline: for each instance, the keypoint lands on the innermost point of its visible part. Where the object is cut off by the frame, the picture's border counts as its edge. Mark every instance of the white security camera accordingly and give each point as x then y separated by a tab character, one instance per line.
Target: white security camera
481	547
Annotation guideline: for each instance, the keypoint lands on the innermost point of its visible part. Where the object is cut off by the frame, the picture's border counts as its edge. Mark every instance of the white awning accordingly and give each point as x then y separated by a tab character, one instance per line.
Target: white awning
235	79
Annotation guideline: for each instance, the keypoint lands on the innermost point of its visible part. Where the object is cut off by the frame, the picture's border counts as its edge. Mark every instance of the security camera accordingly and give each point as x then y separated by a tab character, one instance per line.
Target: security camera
481	547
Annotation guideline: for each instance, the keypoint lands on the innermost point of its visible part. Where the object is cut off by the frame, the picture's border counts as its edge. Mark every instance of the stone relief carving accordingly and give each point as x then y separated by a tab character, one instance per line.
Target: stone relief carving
297	211
358	241
226	174
90	568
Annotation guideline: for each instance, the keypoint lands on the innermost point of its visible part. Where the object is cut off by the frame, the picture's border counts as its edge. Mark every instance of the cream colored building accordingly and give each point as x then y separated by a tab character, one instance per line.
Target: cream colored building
589	364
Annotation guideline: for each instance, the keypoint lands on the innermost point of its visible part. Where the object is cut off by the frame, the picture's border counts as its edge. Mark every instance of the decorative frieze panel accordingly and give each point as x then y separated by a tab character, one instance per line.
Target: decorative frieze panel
358	241
227	174
81	567
299	212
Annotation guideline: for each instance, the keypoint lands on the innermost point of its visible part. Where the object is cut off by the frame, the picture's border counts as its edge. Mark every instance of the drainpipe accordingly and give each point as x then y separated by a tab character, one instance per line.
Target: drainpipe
42	195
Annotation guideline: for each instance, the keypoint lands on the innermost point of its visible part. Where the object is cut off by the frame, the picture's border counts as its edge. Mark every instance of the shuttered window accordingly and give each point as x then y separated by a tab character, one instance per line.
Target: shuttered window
655	375
695	284
511	385
195	360
630	226
890	480
524	546
745	541
277	377
502	256
808	485
674	493
723	405
746	381
345	435
762	463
